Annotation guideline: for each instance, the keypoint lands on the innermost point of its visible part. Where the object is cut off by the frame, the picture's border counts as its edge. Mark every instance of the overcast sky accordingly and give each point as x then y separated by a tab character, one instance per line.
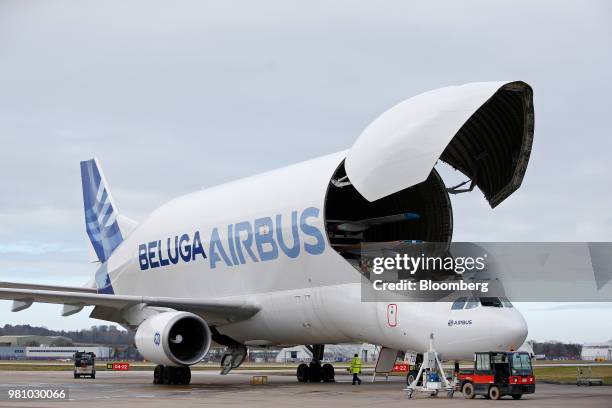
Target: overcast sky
175	96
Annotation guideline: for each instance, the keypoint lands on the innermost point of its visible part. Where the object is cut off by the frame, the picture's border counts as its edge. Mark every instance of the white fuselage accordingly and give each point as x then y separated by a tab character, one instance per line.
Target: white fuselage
307	292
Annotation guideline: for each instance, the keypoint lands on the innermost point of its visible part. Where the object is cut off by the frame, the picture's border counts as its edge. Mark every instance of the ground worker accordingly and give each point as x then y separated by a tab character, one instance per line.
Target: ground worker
356	369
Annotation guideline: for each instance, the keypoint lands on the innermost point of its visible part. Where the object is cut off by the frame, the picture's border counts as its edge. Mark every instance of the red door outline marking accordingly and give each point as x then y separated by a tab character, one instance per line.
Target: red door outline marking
392	314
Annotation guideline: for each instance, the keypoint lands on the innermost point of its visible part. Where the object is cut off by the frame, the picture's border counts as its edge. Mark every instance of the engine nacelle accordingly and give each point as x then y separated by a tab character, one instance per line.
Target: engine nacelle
173	338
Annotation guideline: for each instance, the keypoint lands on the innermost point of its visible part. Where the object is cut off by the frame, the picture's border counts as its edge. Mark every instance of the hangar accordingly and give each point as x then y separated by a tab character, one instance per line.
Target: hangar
592	351
333	352
34	347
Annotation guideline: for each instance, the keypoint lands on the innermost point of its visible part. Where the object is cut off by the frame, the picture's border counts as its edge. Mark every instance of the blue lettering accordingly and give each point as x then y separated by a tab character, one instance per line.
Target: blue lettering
216	246
319	247
247	243
230	243
185	250
152	253
174	259
294	251
142	257
162	261
197	246
264	234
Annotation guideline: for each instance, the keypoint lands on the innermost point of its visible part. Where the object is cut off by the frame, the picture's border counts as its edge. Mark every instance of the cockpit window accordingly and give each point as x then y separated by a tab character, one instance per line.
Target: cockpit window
491	302
459	303
472	303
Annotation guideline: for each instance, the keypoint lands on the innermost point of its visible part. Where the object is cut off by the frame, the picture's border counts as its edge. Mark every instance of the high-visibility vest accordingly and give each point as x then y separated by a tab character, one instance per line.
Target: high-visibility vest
355	365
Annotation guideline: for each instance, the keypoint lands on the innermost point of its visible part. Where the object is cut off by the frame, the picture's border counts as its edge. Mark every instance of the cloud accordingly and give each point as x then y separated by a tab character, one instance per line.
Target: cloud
33	248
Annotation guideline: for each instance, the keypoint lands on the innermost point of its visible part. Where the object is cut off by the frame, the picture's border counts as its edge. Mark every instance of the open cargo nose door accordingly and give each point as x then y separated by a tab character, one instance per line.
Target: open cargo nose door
387	195
485	130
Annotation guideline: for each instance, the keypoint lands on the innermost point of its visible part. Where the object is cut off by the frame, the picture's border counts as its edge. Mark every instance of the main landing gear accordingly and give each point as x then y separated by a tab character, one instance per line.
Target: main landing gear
315	372
234	356
171	375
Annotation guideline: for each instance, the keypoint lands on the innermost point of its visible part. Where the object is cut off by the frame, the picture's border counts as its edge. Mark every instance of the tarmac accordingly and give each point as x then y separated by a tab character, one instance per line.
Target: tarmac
135	389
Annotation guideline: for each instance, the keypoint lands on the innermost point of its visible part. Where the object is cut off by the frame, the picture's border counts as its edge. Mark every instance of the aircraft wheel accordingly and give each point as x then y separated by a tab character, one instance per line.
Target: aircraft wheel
494	393
182	375
328	373
302	373
468	391
158	374
517	396
314	372
410	377
186	375
178	375
168	375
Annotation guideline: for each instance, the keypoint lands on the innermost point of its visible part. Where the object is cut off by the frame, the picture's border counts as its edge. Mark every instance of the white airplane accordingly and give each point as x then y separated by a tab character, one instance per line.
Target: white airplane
267	260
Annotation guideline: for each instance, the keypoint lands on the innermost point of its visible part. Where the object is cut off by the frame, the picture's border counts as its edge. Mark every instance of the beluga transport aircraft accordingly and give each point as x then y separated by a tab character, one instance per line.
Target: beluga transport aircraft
263	261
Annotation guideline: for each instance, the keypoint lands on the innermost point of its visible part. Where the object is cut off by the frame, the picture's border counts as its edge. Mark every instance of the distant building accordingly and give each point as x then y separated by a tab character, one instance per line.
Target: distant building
35	353
333	352
34	341
31	347
592	351
12	353
262	355
293	354
51	352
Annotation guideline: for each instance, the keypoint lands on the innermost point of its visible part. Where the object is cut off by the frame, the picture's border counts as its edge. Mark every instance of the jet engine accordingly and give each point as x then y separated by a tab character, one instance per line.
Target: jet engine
173	338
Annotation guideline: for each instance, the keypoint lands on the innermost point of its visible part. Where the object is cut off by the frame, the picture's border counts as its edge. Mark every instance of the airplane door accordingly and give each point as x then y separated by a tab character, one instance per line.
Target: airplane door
392	315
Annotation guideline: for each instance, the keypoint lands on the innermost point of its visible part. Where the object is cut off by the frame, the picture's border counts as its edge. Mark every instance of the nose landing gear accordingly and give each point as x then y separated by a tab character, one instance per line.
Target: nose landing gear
432	374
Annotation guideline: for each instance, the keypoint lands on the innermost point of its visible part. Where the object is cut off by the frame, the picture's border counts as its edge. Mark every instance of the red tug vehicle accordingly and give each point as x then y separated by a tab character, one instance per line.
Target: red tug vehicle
496	374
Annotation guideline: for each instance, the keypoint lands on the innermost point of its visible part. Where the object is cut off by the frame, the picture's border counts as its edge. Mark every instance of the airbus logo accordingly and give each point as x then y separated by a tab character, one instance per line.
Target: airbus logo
263	239
452	323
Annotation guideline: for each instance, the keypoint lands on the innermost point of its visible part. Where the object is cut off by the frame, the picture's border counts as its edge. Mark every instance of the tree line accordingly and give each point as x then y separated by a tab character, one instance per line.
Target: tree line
557	350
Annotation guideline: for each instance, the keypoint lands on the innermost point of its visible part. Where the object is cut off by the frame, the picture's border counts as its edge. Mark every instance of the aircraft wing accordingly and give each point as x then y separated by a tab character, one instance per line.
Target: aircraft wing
230	309
18	285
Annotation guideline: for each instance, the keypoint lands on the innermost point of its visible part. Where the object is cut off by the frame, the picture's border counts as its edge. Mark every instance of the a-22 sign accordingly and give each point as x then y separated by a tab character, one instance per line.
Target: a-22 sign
118	366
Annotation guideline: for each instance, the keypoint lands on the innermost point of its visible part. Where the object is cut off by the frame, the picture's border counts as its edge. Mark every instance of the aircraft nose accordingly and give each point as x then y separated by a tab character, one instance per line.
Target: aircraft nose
516	329
509	330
